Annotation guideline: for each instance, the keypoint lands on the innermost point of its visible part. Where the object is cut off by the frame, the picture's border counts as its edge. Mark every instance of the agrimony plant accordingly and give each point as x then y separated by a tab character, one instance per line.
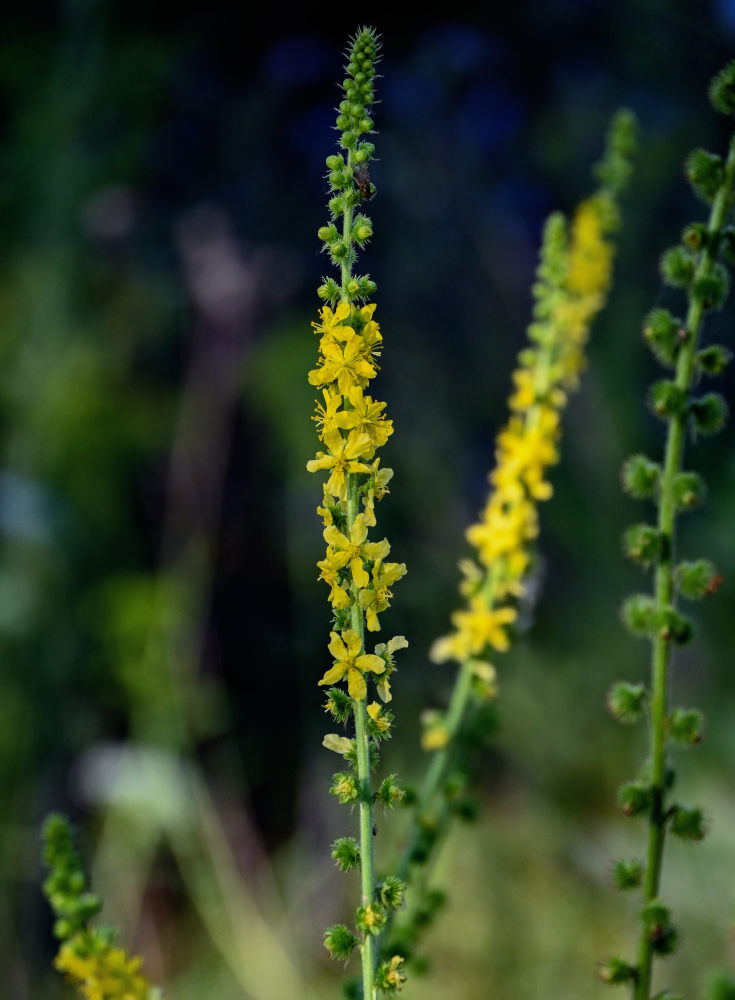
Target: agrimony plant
696	266
573	279
88	956
352	426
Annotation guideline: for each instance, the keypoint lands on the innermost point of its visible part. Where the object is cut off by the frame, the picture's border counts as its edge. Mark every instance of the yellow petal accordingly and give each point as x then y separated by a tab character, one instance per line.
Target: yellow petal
339	744
334	537
359	575
358	532
397	642
341	312
369	661
336	647
353	641
356	684
334	674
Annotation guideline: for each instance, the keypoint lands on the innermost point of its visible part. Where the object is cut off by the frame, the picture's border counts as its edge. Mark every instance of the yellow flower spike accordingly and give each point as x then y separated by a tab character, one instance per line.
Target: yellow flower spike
106	974
349	661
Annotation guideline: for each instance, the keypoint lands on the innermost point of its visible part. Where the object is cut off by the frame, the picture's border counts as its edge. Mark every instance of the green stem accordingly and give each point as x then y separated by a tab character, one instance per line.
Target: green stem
664	583
362	740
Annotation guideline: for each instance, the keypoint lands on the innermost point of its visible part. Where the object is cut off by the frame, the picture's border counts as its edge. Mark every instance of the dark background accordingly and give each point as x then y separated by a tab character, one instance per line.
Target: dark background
161	184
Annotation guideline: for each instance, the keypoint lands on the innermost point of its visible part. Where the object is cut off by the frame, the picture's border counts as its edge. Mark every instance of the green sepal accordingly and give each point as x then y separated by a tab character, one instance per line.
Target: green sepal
708	413
643	544
677	267
664	333
340	941
688	490
615	971
390	792
390	977
344	787
685	726
635	798
627	873
714	359
346	853
637	614
667	400
696	579
705	172
687	824
329	290
695	236
640	477
369	919
656	919
627	701
722	90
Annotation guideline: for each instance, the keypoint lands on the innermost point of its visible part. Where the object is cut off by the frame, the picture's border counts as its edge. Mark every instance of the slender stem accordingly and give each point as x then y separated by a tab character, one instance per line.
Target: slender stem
664	584
367	871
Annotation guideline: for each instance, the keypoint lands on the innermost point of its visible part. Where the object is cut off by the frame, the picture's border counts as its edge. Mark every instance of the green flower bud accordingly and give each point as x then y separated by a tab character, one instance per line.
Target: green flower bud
328	234
338	179
720	986
366	124
627	873
640	477
714	359
335	162
389	792
672	626
637	614
390	892
338	251
615	971
722	90
344	787
663	334
346	853
696	579
687	824
689	490
343	122
677	267
369	919
695	236
635	799
348	139
338	704
339	941
336	206
711	290
656	919
627	701
685	726
643	543
362	229
667	400
709	413
705	172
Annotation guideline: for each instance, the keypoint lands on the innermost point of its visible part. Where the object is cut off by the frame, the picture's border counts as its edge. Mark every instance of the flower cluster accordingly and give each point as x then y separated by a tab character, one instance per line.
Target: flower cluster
696	266
352	426
89	957
573	279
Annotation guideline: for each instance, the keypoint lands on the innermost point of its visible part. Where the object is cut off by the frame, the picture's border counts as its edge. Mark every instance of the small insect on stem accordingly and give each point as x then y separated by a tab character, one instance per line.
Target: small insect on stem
361	177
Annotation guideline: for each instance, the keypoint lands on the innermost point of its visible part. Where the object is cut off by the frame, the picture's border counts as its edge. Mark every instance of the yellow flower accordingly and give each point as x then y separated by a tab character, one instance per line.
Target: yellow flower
386	650
338	596
354	549
342	363
377	487
376	598
349	660
106	974
326	417
374	711
366	416
342	458
395	976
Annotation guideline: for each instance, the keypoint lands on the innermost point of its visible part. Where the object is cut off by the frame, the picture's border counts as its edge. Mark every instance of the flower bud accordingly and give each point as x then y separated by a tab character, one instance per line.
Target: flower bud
677	267
666	399
635	798
335	162
627	873
328	234
709	413
685	726
640	477
637	614
714	359
627	701
705	172
696	579
339	941
722	90
643	543
689	490
688	824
